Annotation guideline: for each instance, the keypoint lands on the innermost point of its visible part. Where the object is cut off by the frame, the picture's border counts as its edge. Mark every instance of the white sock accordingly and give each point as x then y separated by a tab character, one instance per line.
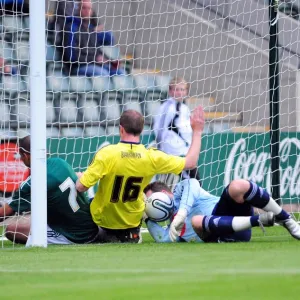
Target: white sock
273	207
241	223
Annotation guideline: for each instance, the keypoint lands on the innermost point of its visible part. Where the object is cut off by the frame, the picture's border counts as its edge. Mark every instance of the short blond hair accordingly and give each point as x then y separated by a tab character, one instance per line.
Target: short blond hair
178	80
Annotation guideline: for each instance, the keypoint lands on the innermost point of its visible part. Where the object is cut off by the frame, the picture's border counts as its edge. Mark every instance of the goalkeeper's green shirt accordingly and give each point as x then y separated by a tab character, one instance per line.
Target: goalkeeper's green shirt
68	212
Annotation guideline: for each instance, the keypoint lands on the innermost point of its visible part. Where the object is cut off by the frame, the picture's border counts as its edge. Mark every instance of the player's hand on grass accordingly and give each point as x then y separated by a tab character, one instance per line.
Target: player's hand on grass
177	224
197	119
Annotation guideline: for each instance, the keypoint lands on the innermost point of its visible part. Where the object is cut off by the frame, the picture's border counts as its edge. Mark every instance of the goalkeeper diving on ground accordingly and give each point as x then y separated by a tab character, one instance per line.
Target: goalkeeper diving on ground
202	217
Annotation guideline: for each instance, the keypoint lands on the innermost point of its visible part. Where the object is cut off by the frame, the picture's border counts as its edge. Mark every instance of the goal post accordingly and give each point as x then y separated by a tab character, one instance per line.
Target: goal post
274	99
37	46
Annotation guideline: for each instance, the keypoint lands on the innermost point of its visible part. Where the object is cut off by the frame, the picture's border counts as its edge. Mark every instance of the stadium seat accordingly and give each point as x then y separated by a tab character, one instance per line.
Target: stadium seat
152	107
4	111
68	110
221	127
57	82
52	132
112	130
26	23
112	110
101	84
7	133
91	131
11	24
90	110
162	82
145	82
21	51
111	52
12	84
123	83
133	105
51	53
72	132
80	84
50	115
23	110
6	50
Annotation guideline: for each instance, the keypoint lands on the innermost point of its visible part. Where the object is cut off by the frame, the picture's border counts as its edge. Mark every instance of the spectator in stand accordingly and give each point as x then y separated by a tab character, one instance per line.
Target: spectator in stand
82	42
13	7
172	126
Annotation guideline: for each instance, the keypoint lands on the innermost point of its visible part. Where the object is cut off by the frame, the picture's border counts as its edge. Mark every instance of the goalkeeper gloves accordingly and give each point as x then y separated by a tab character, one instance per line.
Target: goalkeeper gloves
177	224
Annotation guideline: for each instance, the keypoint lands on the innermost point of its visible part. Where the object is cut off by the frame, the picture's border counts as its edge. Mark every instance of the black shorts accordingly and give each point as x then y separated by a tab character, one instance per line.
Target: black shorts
131	235
228	207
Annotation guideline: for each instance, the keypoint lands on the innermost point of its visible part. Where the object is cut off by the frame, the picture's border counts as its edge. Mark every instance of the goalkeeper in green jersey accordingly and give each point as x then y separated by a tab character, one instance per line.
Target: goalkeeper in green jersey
68	212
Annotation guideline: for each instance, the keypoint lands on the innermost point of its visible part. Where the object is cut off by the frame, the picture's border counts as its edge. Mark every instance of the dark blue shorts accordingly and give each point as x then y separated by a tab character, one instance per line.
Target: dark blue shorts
228	207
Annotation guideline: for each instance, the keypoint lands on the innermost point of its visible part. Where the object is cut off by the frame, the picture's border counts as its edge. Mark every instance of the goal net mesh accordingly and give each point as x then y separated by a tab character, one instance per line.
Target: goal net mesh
119	55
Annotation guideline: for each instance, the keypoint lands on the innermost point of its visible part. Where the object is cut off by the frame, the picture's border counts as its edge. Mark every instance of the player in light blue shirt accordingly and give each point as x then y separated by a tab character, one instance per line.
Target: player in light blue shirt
187	195
199	216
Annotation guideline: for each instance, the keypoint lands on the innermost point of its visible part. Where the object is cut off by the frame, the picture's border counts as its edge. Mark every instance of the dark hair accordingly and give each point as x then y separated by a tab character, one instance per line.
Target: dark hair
24	144
132	121
157	186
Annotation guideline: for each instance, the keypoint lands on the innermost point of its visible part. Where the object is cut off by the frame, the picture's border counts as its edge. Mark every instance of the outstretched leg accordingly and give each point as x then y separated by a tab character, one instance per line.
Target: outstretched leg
243	191
228	228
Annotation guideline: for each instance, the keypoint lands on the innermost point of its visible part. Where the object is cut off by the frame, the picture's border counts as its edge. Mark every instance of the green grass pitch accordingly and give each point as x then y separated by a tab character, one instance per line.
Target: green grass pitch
266	268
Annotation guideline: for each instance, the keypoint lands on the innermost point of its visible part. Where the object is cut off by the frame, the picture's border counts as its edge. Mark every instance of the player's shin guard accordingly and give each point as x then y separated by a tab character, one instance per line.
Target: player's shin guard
256	196
217	225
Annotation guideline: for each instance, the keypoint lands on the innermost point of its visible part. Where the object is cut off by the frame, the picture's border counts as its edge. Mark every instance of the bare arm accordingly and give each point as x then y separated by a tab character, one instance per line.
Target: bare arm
5	212
197	124
79	186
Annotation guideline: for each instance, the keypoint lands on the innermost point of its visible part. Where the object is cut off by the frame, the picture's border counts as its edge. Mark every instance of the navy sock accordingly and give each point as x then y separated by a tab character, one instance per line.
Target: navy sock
254	221
218	225
283	215
256	196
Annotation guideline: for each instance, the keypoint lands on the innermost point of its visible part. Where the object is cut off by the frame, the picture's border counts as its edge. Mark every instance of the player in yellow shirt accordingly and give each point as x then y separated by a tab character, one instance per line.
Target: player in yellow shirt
125	169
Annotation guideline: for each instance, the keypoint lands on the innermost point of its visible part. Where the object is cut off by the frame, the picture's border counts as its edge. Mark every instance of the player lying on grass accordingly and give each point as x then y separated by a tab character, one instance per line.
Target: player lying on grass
214	219
68	212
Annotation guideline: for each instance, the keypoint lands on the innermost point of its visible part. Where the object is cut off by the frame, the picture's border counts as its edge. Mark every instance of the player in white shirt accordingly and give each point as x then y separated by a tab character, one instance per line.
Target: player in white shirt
172	126
200	216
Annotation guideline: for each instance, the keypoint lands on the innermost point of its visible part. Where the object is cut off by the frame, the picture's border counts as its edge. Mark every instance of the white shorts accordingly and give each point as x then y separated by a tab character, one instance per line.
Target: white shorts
53	238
